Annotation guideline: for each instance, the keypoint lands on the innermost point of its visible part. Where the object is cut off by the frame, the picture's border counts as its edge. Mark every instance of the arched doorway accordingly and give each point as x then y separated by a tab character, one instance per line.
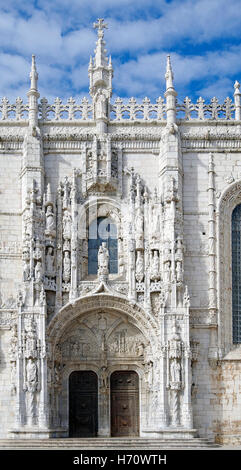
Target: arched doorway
124	403
83	404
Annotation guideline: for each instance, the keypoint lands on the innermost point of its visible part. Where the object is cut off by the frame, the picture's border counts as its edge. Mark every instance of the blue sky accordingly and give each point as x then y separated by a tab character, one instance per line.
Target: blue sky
202	36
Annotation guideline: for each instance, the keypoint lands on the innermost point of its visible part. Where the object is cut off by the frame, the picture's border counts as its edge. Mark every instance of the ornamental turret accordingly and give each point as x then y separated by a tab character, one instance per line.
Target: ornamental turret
33	95
170	94
100	75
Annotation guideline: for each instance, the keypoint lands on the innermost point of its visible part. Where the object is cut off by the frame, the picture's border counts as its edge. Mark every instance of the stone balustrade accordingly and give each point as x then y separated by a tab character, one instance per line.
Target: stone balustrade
121	111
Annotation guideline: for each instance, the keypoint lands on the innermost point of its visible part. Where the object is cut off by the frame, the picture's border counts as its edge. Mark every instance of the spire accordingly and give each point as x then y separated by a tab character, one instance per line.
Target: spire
33	95
170	94
34	75
100	51
169	74
100	69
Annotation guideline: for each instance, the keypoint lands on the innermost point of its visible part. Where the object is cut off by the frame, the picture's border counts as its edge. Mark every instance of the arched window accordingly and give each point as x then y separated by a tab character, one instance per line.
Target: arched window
101	230
236	273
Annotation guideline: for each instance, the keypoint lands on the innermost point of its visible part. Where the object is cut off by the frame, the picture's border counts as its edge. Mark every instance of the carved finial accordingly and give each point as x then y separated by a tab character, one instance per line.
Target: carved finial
236	87
170	96
34	75
33	96
169	74
237	101
100	25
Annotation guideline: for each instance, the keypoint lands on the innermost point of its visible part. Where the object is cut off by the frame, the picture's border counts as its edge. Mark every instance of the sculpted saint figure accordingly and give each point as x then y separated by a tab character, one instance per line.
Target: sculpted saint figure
103	259
66	266
49	219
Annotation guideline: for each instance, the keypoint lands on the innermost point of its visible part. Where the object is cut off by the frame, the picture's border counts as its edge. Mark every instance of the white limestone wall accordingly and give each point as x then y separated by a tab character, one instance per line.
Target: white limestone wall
58	166
7	400
195	207
10	226
146	164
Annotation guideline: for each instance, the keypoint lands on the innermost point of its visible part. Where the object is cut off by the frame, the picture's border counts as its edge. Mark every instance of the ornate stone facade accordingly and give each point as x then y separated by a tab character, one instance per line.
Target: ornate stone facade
166	176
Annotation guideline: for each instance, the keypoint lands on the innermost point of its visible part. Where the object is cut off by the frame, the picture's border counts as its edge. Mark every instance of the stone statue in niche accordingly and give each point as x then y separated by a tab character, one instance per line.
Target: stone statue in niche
104	377
139	226
38	250
175	371
31	375
49	260
175	357
139	266
66	267
49	219
155	224
101	107
155	271
103	259
26	266
148	371
38	271
31	341
67	225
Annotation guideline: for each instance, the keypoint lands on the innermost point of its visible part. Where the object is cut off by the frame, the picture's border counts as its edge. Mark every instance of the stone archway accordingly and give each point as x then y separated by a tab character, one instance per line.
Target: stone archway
103	340
230	198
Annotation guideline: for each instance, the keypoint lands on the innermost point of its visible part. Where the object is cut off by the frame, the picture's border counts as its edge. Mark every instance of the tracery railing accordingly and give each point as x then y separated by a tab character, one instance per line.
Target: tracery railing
120	110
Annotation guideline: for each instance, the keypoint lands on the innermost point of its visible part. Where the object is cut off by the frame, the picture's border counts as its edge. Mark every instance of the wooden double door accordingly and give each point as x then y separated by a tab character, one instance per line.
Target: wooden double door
124	404
83	404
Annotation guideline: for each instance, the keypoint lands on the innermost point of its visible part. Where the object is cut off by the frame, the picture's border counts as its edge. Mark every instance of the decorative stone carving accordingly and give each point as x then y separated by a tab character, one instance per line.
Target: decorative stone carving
50	262
66	225
13	348
50	222
38	272
155	267
139	266
66	267
139	227
103	260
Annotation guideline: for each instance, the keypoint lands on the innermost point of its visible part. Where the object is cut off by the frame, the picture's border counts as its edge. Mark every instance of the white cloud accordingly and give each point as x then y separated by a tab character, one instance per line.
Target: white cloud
139	36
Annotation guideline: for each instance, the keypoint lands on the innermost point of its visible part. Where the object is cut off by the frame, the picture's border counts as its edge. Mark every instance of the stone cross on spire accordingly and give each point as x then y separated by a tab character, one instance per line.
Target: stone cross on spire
100	25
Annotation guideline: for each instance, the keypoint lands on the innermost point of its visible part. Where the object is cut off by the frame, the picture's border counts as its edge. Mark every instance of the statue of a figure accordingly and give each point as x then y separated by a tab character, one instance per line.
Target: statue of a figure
155	274
175	371
101	107
149	373
38	271
49	219
26	266
103	259
139	227
175	344
67	225
31	375
104	377
155	224
31	341
66	267
139	266
49	261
